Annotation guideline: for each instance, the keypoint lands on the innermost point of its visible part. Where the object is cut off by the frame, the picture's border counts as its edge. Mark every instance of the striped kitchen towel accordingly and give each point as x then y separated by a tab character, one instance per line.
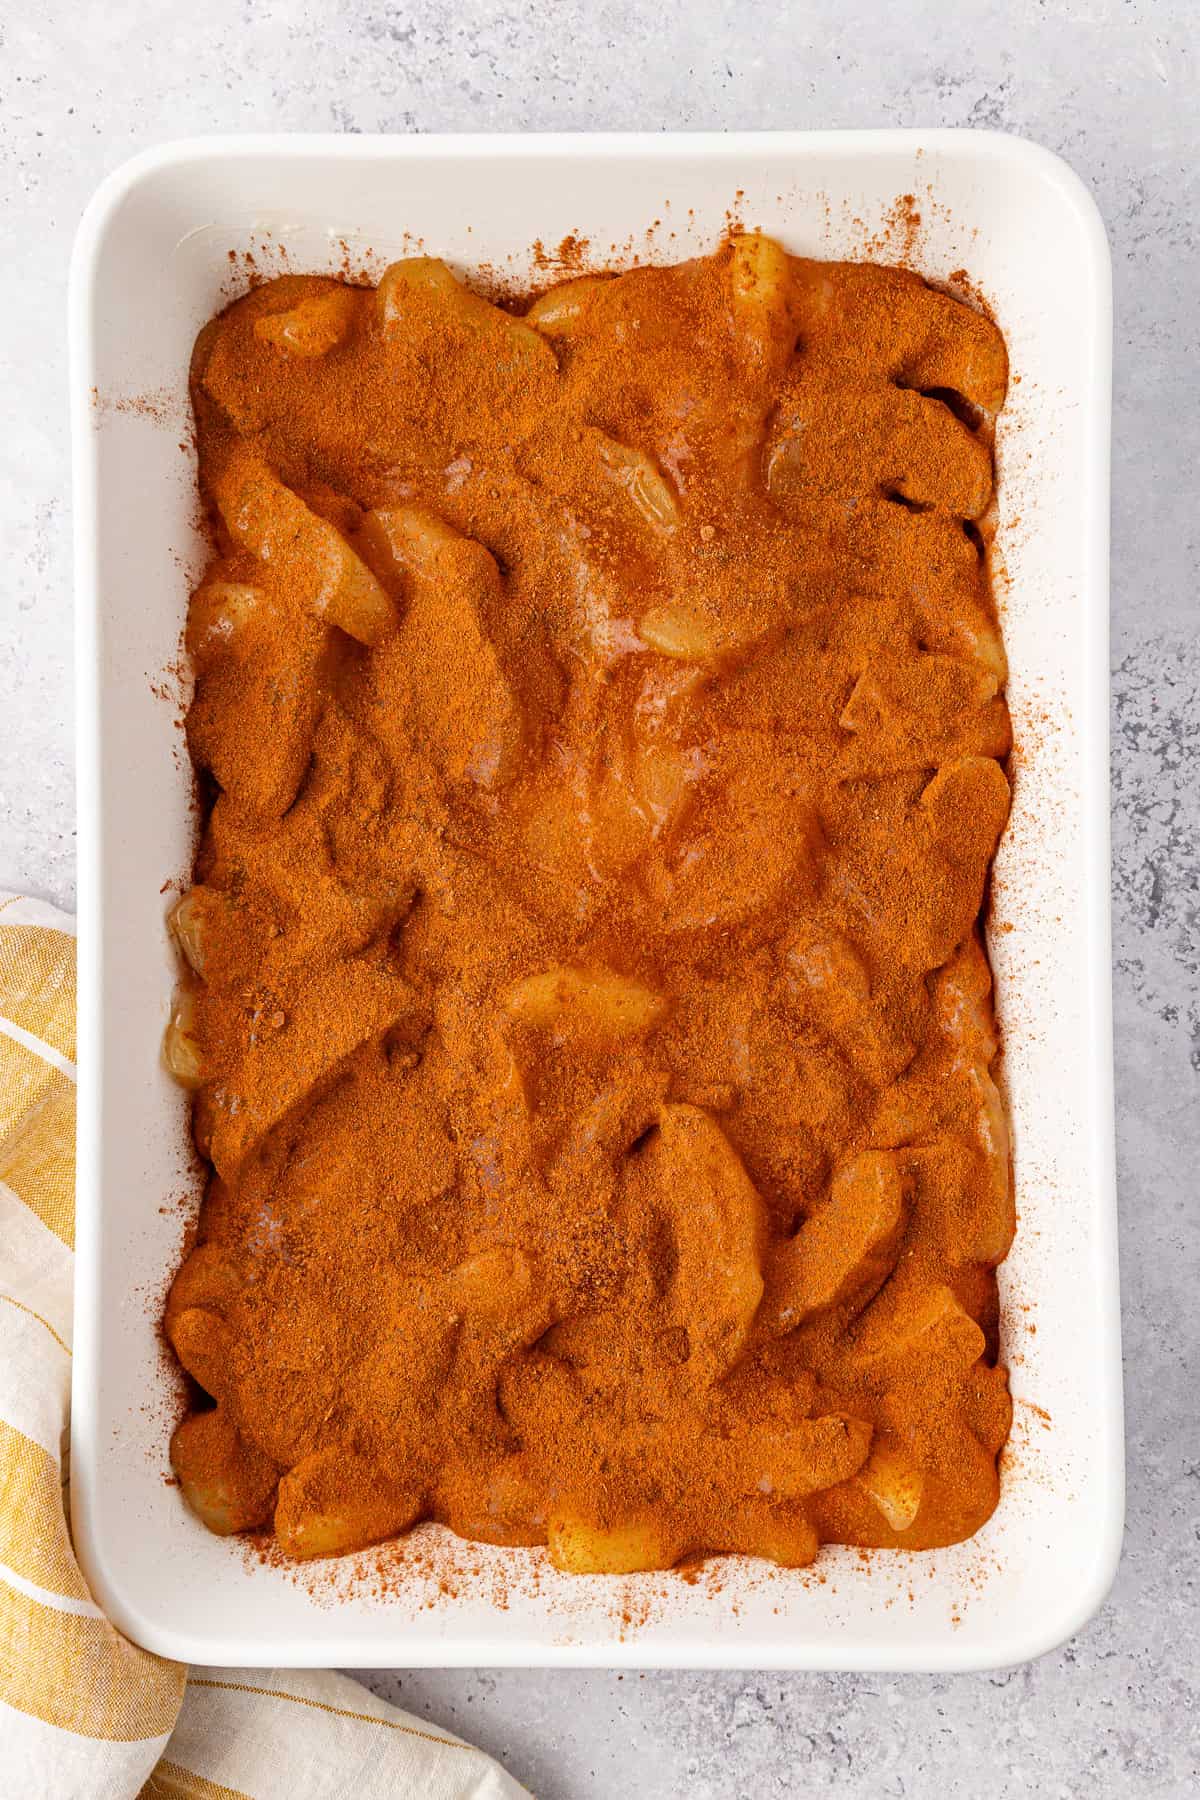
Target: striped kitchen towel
85	1714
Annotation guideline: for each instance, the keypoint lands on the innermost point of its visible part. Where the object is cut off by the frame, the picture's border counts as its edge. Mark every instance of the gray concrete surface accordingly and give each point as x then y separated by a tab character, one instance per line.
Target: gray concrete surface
1113	86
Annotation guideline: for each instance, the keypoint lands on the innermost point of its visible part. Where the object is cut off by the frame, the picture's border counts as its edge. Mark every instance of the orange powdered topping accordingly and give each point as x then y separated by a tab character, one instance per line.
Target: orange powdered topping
600	713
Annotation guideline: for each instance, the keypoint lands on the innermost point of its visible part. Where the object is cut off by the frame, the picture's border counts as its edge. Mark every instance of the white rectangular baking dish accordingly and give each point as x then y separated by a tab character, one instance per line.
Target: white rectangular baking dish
152	262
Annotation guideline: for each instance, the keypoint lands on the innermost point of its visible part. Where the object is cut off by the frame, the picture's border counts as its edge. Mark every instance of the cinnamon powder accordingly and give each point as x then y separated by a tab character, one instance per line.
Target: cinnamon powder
601	725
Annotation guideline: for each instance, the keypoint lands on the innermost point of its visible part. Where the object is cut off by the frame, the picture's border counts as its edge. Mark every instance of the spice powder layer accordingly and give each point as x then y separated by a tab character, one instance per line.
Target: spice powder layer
600	723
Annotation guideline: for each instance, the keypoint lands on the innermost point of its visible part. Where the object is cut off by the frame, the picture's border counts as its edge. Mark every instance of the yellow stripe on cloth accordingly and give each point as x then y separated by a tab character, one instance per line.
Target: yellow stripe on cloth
81	1674
37	1265
171	1782
35	1374
37	983
31	1312
340	1712
33	1528
25	1080
37	1152
39	1318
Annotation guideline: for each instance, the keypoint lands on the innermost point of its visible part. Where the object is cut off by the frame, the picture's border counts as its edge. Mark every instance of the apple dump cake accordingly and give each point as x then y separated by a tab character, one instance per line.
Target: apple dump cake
599	721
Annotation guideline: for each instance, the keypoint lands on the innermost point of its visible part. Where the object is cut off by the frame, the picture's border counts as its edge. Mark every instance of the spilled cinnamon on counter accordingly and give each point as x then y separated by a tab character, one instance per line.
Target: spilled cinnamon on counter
599	710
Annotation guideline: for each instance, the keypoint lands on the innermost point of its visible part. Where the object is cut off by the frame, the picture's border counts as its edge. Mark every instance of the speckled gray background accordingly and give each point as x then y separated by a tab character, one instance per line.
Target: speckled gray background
1113	86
